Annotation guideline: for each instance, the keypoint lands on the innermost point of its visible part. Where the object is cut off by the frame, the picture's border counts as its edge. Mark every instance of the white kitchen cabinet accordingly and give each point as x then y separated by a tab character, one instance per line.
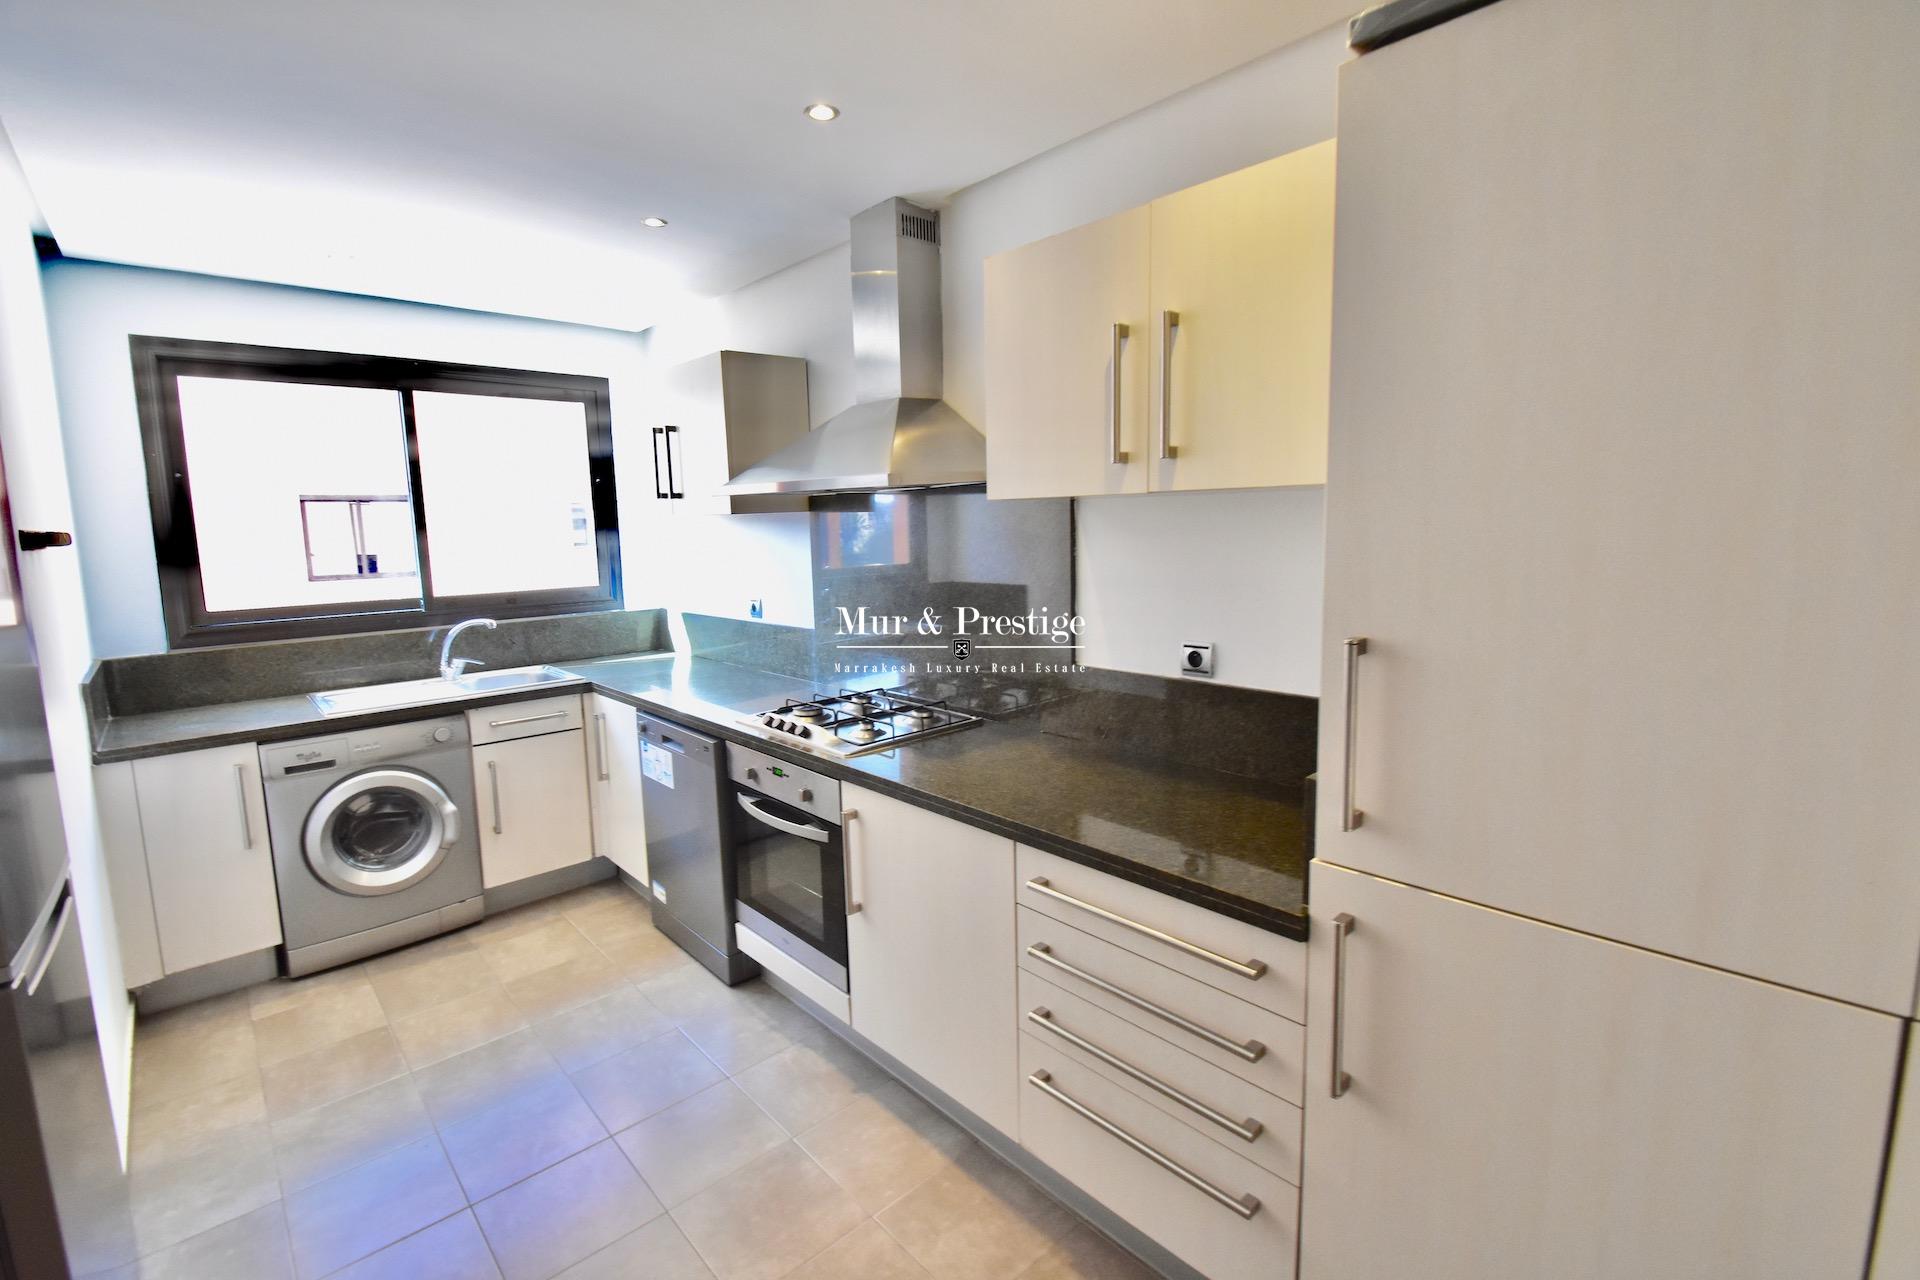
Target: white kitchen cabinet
534	814
1530	1101
1621	484
718	415
124	850
203	822
930	952
1220	380
613	785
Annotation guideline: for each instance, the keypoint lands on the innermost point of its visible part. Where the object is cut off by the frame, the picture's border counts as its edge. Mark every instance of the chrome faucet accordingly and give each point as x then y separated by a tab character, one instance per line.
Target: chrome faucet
451	668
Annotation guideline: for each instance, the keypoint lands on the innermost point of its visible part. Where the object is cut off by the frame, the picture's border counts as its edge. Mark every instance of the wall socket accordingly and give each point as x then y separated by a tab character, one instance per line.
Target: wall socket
1196	660
756	608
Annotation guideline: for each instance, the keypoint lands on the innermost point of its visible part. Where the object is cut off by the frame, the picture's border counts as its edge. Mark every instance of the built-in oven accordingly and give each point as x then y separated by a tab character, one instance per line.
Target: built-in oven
789	858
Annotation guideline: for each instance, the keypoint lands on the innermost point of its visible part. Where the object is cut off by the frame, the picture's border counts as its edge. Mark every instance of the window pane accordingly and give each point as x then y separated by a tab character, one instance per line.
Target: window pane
359	537
255	451
507	491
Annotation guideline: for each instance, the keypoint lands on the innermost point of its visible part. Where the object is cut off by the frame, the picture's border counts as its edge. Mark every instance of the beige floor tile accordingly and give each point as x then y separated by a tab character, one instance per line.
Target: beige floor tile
318	1143
696	1142
505	924
174	1127
804	1084
588	1033
979	1220
646	955
367	1208
539	946
565	1214
252	1246
569	984
186	1050
436	971
540	1125
734	1036
332	1072
884	1144
180	1199
450	1249
656	1251
683	990
327	1017
456	1025
1085	1254
282	994
867	1252
764	1220
610	918
630	1086
485	1077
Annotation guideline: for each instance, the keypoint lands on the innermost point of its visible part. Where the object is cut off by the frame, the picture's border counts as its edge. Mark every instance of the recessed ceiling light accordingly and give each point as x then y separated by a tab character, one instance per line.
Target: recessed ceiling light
822	111
654	222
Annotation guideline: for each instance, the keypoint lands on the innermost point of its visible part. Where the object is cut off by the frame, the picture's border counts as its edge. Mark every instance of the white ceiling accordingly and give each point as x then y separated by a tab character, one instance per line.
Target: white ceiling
500	154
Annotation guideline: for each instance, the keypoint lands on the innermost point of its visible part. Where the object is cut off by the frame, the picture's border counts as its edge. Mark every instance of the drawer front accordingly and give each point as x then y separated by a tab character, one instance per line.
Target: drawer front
1206	1234
529	719
1154	925
1217	1104
1278	1045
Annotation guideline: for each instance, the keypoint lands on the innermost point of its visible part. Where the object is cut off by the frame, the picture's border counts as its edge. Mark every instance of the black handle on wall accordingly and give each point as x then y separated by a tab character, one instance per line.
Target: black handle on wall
41	539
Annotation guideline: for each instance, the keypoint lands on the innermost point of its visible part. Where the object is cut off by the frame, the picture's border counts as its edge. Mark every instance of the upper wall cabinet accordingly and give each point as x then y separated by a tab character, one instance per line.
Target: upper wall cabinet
1180	345
717	416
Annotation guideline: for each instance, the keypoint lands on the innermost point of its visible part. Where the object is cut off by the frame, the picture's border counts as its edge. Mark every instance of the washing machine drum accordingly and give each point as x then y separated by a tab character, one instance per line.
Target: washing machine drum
380	831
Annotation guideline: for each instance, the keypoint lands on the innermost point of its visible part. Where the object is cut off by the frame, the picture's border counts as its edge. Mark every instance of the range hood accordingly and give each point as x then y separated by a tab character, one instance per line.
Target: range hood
899	434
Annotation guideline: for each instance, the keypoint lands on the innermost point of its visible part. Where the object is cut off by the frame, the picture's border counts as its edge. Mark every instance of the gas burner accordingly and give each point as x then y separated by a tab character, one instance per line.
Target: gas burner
860	703
808	711
919	717
862	731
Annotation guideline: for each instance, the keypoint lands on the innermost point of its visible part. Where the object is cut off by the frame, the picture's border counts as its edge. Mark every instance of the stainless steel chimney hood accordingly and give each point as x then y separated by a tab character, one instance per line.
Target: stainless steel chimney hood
899	434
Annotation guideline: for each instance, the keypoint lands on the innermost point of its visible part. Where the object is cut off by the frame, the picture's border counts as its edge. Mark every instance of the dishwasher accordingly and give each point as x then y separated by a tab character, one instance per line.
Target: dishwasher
682	777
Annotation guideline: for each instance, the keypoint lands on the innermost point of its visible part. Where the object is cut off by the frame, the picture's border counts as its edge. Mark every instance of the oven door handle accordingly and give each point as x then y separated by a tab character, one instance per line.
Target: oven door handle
806	831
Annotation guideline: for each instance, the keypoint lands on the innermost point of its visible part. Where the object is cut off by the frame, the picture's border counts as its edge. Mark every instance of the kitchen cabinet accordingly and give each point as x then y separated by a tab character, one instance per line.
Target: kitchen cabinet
1219	380
203	826
1896	1253
930	952
1622	449
613	785
124	850
718	415
532	793
1529	1101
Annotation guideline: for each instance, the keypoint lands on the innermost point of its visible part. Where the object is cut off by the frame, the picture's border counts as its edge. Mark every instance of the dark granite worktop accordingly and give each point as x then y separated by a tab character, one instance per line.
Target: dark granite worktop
1233	844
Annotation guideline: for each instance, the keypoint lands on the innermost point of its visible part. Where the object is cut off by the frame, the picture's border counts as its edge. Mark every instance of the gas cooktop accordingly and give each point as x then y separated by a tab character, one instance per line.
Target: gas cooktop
856	722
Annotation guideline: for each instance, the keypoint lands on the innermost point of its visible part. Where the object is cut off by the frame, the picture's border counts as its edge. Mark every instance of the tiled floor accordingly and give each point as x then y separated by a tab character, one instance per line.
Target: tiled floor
557	1091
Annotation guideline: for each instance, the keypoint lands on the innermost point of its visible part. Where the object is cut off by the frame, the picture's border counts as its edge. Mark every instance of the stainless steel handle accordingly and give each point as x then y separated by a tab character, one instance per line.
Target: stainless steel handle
29	977
600	744
847	818
548	715
246	817
1116	454
805	830
1249	1051
1246	1206
1339	1079
1245	968
1350	816
1245	1130
493	782
1169	322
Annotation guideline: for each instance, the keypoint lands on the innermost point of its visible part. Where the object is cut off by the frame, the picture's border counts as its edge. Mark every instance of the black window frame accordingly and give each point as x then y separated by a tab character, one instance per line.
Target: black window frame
159	363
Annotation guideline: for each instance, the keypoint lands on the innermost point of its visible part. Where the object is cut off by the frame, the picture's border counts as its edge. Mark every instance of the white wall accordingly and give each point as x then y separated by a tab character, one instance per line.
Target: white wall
93	308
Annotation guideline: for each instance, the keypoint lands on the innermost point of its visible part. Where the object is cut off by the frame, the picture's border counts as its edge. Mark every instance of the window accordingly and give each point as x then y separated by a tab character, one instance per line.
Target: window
308	492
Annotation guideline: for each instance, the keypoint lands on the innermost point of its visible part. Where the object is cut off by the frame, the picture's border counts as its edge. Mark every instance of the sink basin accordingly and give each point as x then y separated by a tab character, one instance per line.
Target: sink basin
418	693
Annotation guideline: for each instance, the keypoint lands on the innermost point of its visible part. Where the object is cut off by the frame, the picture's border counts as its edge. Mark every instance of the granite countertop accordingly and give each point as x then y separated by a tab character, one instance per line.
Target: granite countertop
1233	844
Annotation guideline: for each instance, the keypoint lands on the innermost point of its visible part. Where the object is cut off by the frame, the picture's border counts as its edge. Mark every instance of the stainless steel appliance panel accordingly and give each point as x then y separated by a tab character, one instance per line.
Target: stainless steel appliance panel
692	895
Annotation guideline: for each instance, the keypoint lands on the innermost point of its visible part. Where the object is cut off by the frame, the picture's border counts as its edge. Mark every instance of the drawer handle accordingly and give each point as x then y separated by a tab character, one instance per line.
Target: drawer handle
1246	1206
550	715
1246	969
493	780
600	746
1245	1130
246	818
1115	454
1251	1051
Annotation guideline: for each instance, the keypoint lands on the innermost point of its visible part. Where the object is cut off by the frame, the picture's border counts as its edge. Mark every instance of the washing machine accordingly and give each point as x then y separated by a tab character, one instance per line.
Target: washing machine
374	843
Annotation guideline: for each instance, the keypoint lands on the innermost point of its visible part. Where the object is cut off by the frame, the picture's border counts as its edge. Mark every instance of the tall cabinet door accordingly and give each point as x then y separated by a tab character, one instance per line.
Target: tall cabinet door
1621	479
534	813
1529	1101
614	786
1054	426
1244	265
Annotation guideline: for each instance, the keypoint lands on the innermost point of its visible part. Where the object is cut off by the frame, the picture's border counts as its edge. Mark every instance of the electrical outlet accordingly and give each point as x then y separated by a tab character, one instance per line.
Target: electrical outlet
1196	660
756	608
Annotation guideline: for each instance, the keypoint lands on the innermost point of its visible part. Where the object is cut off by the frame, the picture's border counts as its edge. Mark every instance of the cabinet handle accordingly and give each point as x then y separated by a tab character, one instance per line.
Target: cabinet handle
246	818
1338	1078
1246	1206
1169	324
673	490
550	715
658	491
847	818
1116	454
1247	969
1245	1130
1350	816
493	783
1249	1051
600	744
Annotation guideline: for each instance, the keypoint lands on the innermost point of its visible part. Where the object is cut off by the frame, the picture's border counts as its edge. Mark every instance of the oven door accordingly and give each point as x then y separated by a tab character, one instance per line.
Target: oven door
790	882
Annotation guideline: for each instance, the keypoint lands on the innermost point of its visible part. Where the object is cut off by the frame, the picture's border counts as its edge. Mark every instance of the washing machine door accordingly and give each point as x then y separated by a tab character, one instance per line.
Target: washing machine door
380	831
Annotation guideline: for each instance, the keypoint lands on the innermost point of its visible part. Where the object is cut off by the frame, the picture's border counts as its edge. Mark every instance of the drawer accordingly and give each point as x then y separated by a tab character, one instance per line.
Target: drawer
1155	925
508	720
1047	949
1208	1235
1124	1054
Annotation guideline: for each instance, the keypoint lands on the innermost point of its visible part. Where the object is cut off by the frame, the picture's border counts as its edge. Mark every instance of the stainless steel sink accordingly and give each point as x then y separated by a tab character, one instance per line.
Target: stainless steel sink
418	693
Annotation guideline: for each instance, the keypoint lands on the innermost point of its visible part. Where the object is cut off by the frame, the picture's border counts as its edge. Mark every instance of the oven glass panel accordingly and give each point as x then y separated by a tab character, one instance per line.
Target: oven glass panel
796	882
